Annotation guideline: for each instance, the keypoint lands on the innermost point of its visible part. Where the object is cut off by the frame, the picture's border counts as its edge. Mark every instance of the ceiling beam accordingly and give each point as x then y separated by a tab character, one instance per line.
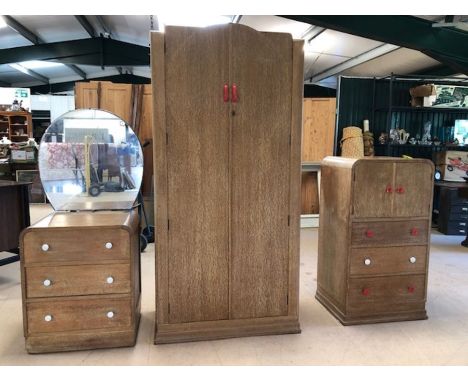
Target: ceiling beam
22	30
311	33
69	85
87	26
366	56
438	71
5	84
446	45
30	73
92	51
236	19
35	39
104	26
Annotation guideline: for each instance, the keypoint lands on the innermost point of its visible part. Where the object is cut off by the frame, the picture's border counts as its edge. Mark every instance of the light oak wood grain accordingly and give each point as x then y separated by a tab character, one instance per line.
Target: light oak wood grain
318	133
359	220
387	260
197	124
160	136
79	297
260	173
77	280
71	315
225	253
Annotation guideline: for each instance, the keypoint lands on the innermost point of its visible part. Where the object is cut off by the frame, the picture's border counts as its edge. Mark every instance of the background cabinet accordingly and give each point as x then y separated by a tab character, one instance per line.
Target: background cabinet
16	125
133	104
380	210
227	182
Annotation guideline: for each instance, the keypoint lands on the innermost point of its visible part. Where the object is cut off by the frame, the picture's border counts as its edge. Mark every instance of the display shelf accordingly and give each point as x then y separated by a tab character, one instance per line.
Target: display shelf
14	121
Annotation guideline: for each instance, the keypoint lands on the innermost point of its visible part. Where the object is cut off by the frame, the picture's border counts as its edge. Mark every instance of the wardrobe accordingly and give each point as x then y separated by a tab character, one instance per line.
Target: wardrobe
227	150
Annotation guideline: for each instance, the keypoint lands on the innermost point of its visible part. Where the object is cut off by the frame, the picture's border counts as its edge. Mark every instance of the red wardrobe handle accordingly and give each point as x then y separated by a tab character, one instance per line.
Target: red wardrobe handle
400	190
411	289
369	233
235	97
389	189
414	231
365	291
226	93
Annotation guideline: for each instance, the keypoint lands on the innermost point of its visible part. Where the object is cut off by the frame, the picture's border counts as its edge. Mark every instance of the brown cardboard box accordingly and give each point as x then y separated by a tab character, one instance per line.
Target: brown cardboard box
423	90
453	165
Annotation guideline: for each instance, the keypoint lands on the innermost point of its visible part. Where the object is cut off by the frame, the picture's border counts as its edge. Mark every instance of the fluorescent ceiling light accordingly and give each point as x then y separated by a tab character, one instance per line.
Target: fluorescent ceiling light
2	22
192	21
36	64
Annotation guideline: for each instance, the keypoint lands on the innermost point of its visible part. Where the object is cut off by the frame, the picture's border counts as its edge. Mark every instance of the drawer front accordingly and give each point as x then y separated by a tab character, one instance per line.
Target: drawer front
384	260
389	233
459	209
78	314
456	228
55	245
75	280
462	217
374	295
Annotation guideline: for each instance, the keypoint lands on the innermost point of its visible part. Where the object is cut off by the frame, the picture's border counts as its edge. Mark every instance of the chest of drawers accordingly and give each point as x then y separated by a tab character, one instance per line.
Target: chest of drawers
374	238
453	212
81	285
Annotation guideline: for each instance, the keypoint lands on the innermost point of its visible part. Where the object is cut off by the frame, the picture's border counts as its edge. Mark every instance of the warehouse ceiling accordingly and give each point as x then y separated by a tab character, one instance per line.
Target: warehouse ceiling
41	50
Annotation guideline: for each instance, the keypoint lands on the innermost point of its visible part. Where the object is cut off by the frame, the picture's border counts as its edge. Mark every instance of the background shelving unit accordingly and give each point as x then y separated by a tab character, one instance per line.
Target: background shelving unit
386	103
16	126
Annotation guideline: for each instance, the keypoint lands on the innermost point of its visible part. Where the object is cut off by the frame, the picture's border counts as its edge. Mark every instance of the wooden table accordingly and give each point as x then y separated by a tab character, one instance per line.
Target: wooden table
14	216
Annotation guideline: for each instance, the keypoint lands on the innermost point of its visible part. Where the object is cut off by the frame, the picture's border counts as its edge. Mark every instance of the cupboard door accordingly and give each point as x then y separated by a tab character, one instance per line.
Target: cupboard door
318	132
373	189
197	121
117	98
413	189
261	68
86	95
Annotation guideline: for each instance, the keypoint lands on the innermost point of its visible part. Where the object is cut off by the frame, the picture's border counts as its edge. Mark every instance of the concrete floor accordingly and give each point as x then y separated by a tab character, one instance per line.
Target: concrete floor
440	340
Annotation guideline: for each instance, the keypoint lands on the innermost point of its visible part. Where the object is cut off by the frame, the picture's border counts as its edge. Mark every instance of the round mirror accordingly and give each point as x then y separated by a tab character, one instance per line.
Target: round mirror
90	160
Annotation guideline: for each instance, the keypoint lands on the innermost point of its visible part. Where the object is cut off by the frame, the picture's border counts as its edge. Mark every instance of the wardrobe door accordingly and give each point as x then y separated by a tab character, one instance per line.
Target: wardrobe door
261	75
197	120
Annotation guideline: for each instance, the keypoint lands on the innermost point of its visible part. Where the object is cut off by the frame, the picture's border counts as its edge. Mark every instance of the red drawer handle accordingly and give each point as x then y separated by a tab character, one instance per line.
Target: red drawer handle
389	189
411	289
235	97
369	233
365	291
226	93
400	190
414	231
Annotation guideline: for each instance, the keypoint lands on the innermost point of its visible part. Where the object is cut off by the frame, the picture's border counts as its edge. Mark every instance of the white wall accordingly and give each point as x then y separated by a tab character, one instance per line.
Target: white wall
57	104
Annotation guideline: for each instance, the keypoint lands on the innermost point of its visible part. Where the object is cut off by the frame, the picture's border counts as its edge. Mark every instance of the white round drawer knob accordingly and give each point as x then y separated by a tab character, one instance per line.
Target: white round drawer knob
412	259
47	318
367	261
47	282
45	247
110	280
110	314
109	245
